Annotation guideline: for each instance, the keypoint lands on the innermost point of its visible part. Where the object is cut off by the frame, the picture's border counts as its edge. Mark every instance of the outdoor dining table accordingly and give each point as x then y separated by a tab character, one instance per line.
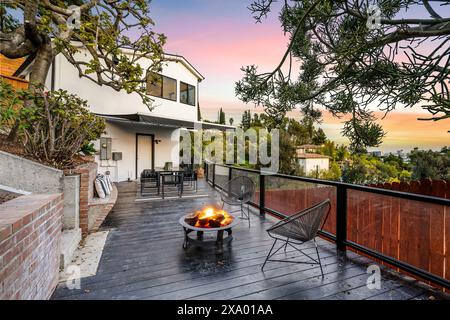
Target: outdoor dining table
175	180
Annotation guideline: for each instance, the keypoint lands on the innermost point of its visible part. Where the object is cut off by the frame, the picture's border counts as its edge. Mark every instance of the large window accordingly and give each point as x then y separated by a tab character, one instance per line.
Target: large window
187	94
162	86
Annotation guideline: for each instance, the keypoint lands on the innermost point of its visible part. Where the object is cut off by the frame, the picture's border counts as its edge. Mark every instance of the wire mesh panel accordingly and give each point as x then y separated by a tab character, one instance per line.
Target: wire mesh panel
411	231
291	196
251	175
221	175
209	167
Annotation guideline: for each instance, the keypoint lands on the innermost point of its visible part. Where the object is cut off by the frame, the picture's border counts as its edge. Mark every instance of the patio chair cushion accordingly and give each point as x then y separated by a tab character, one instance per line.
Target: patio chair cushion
108	179
104	183
99	189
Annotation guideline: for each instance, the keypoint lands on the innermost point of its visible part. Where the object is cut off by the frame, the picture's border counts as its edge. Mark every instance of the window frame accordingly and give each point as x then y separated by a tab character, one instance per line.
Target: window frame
187	95
162	88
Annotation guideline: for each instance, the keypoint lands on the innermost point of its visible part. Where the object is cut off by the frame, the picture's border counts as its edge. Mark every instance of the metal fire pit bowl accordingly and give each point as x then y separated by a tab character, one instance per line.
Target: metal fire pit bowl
220	240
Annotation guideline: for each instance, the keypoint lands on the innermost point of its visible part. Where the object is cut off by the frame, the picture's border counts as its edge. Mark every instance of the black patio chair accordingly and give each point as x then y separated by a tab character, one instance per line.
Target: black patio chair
189	175
298	229
238	192
173	179
149	180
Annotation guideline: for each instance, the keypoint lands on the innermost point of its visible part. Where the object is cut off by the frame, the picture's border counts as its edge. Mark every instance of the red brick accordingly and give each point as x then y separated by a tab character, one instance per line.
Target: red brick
29	259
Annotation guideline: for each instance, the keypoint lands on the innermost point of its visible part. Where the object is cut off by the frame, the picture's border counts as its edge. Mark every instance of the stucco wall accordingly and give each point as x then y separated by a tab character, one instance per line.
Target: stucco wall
310	165
23	174
124	140
105	100
26	175
71	217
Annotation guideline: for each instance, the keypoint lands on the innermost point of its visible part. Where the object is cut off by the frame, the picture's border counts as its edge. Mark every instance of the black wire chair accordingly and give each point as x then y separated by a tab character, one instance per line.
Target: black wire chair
238	192
298	229
189	176
149	180
172	179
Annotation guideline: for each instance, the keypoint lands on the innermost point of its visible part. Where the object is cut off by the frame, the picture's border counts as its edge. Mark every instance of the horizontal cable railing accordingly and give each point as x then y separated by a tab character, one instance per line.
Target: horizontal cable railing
403	230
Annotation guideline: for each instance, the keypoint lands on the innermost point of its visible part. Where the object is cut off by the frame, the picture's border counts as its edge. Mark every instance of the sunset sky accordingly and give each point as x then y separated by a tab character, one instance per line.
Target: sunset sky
219	37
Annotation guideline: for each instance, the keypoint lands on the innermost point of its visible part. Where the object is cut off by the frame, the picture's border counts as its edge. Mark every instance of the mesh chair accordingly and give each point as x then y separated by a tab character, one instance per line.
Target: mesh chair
238	192
172	179
189	175
149	180
298	229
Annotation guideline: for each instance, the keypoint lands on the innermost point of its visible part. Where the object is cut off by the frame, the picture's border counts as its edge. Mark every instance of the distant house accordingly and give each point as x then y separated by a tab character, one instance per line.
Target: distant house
137	138
313	162
308	148
375	153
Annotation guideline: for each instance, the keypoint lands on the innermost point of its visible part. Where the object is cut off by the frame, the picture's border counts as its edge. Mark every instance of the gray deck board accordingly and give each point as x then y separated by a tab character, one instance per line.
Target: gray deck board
143	259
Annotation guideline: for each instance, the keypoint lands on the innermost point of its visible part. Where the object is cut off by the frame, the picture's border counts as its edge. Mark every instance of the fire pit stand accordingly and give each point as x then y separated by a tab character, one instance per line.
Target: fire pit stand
199	241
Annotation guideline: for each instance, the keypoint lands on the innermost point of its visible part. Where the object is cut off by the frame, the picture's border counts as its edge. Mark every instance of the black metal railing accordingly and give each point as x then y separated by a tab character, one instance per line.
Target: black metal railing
340	238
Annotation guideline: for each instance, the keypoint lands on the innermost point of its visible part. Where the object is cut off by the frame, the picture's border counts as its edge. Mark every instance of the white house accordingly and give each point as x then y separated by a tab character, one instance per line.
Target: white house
313	162
137	138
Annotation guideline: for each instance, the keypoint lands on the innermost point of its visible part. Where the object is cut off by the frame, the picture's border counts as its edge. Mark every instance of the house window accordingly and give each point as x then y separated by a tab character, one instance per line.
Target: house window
187	94
162	87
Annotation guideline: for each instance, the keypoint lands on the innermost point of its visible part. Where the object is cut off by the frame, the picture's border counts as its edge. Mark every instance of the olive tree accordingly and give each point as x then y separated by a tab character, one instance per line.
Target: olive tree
115	34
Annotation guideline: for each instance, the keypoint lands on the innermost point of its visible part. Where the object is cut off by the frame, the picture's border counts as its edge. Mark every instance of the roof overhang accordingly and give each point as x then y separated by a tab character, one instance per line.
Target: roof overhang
184	62
25	68
155	121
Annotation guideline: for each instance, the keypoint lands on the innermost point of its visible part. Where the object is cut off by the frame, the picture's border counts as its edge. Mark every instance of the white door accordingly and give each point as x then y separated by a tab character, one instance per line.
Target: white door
144	153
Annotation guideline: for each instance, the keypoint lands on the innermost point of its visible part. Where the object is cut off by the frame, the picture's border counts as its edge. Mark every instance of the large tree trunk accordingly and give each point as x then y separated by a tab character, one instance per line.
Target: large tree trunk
41	66
38	75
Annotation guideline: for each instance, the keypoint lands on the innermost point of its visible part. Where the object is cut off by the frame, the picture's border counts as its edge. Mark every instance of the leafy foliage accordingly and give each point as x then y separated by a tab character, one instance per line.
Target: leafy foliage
365	169
430	164
54	127
347	66
106	47
11	101
88	149
57	126
221	117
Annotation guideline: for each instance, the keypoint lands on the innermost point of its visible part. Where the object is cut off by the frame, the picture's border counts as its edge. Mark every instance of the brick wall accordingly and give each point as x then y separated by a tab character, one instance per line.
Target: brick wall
30	236
100	208
87	173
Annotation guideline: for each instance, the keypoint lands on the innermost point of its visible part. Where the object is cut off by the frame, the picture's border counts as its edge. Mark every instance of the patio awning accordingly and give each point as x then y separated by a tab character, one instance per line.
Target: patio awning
162	122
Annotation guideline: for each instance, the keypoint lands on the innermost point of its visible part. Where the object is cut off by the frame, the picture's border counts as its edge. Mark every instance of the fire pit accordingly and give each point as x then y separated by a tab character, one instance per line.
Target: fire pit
208	219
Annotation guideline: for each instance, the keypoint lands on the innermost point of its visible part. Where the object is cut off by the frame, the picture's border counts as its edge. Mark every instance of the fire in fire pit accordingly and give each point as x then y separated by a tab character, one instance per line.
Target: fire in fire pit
209	217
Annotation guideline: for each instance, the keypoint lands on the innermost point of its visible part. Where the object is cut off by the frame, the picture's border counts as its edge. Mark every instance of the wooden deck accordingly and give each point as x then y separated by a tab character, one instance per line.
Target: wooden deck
143	259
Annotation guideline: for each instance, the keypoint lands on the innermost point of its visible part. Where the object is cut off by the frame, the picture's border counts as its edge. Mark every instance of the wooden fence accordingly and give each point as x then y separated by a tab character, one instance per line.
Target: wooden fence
411	231
17	83
437	188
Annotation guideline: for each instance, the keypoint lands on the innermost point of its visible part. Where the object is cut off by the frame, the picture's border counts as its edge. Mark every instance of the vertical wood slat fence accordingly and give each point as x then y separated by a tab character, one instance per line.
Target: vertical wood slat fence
437	188
17	83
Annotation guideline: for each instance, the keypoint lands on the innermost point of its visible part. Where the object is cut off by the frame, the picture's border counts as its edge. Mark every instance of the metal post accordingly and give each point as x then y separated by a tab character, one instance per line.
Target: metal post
205	166
262	194
341	218
213	175
229	173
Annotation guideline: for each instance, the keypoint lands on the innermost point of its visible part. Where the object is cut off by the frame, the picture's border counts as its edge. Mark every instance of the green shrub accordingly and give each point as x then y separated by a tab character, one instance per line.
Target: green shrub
56	126
11	101
88	149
